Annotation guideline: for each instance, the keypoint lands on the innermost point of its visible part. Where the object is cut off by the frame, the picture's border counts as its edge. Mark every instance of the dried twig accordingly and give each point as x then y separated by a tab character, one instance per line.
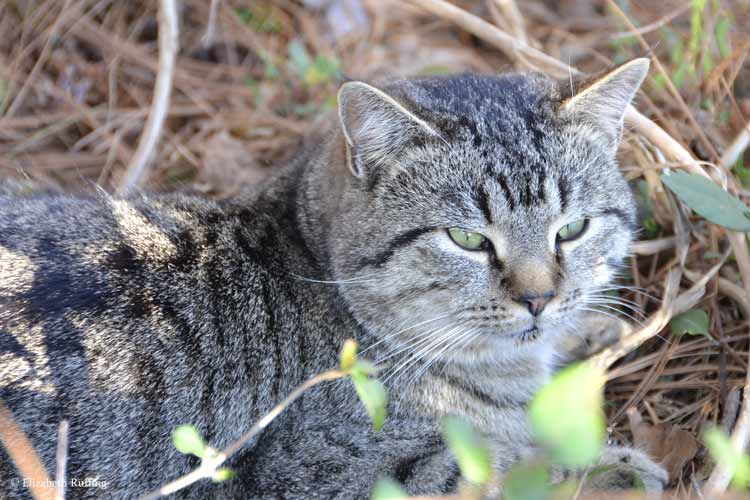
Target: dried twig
22	454
650	247
65	13
672	89
722	475
736	148
492	35
734	292
168	47
648	28
61	460
514	17
208	37
672	304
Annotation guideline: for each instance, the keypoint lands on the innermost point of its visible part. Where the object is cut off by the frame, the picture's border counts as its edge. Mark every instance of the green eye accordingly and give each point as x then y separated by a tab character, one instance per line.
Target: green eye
467	239
573	230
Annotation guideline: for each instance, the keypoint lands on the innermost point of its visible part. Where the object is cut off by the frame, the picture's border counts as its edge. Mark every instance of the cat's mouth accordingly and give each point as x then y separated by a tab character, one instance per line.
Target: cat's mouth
527	335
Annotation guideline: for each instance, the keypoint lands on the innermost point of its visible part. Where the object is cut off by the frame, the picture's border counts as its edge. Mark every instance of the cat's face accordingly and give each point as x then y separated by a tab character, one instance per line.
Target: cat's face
484	214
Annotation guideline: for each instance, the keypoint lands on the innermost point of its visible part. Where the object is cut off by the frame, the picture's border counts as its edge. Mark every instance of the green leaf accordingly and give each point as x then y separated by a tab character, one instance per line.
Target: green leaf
658	81
683	70
306	109
470	450
322	70
299	58
692	322
721	449
188	440
270	70
330	102
677	47
435	70
709	200
742	172
261	18
651	228
348	355
566	416
388	489
723	117
365	367
526	482
696	24
223	474
245	15
373	396
721	32
707	64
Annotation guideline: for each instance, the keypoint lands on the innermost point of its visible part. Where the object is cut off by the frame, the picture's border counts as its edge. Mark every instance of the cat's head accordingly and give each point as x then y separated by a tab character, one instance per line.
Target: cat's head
481	215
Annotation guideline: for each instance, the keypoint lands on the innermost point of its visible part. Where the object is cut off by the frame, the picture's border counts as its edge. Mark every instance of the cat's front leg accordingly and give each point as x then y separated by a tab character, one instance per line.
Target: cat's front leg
337	455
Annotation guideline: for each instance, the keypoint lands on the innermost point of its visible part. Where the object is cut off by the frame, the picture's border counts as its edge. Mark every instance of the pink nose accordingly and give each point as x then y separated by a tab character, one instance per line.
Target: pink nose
536	302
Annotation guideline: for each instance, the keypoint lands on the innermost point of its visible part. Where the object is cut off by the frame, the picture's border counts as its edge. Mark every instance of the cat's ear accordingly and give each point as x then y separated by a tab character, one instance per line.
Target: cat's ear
376	126
603	101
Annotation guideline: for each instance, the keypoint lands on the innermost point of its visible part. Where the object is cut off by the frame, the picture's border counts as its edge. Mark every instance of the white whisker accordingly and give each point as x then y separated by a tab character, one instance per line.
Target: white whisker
391	335
420	354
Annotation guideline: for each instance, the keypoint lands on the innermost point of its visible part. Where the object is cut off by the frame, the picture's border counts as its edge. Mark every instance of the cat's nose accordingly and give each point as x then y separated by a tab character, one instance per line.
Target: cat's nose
536	302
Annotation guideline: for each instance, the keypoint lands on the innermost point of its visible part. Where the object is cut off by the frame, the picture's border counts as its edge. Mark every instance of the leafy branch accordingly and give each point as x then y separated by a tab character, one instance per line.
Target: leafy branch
187	439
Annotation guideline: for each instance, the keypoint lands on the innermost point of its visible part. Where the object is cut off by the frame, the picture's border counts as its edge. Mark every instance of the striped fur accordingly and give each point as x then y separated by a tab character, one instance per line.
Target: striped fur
131	316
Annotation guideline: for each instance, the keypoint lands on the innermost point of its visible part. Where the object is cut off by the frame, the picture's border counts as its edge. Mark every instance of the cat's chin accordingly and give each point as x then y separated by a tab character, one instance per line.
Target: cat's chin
503	345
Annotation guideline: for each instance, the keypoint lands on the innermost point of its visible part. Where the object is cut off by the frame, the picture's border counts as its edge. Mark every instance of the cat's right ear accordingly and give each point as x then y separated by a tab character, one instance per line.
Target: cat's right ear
376	126
603	101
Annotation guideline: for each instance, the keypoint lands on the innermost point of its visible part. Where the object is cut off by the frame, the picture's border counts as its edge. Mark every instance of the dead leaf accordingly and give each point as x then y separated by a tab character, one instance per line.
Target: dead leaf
665	443
228	165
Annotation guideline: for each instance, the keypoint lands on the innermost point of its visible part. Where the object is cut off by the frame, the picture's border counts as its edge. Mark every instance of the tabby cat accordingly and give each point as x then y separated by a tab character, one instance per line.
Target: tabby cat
457	227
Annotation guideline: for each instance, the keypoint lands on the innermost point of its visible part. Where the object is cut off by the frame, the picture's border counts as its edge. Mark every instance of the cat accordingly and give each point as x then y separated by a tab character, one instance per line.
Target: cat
457	227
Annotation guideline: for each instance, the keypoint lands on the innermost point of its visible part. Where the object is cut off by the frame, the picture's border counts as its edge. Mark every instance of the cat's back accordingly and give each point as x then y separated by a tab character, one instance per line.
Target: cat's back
64	256
77	273
111	311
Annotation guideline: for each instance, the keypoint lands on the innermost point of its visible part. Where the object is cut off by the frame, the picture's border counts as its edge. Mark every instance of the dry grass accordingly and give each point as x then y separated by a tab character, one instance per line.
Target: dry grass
76	83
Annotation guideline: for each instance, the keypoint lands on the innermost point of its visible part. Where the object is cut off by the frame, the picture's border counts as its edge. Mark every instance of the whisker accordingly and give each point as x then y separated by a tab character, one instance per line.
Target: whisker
455	340
634	289
411	343
619	300
608	314
629	316
356	279
596	300
391	335
420	354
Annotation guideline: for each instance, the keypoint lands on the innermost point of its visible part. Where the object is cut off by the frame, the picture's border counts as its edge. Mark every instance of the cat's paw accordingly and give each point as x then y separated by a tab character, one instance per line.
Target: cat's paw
623	468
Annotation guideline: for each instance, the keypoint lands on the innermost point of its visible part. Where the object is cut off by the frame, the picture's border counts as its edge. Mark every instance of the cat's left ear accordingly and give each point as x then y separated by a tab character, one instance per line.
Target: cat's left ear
603	101
376	126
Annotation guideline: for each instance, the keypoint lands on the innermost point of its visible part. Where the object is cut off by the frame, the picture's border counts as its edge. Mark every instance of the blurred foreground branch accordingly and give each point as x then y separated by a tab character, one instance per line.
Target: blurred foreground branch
211	463
22	454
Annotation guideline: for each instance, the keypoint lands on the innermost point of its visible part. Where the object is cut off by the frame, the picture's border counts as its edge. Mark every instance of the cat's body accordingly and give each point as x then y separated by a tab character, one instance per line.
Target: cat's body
130	317
144	359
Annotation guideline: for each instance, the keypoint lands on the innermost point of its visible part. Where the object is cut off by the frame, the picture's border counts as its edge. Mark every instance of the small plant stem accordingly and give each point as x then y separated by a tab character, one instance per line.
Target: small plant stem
61	460
212	462
722	474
